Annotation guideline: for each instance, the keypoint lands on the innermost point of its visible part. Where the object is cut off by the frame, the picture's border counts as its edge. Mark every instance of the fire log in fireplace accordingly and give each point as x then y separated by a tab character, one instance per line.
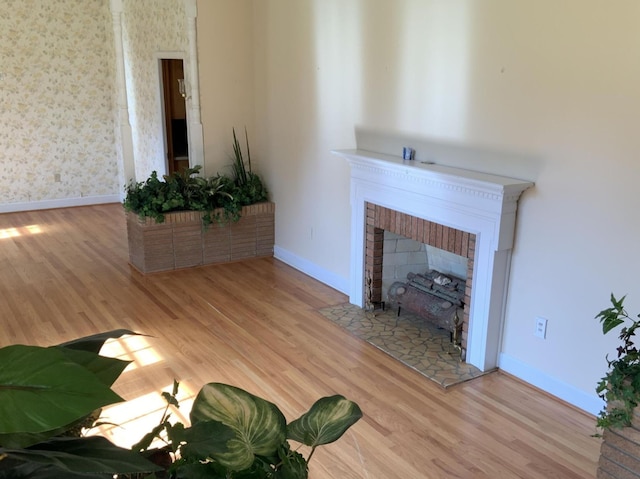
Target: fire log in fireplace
434	296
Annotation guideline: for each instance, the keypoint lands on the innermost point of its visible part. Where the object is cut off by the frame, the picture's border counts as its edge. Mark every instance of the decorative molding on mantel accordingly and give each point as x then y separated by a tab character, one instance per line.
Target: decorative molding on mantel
478	203
438	176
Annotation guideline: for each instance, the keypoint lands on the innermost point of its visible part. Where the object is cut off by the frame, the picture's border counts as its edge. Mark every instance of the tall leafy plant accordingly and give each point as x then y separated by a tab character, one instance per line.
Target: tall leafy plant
46	395
620	387
248	186
238	166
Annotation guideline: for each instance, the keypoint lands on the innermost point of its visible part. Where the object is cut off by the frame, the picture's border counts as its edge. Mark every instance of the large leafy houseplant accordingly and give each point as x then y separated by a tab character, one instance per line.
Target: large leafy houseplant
235	434
620	387
48	394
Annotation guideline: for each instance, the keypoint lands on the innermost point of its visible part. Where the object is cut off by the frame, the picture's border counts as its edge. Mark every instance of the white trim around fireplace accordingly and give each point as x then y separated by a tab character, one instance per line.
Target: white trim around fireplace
475	202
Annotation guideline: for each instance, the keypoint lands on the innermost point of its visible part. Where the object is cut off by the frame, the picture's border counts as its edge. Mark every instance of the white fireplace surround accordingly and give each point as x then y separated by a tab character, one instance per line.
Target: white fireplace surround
477	203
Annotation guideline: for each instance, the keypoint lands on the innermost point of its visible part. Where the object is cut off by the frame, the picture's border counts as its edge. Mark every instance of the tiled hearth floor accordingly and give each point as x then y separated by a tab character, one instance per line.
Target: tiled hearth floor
409	339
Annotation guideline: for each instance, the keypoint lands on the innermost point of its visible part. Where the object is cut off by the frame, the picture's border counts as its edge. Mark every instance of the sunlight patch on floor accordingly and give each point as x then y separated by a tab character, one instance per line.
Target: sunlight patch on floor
9	233
127	422
131	348
6	233
131	420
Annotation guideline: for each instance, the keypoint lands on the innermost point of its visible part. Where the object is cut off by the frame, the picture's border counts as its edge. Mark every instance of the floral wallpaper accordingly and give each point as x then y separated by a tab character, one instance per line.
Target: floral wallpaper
56	100
150	26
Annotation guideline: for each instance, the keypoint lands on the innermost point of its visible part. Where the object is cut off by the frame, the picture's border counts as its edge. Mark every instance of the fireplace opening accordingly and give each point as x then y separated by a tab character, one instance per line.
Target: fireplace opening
426	281
422	266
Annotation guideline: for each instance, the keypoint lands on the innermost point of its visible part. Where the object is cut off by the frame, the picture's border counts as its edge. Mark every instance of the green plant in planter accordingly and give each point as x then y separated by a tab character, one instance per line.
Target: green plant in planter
234	434
185	190
245	186
180	191
620	387
46	396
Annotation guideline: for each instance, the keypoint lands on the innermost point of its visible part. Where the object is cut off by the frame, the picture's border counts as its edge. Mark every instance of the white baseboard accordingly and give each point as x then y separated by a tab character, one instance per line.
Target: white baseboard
59	203
307	267
574	396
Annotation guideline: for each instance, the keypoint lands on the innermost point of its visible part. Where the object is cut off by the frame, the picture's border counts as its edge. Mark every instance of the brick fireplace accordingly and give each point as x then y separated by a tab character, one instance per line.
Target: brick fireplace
466	212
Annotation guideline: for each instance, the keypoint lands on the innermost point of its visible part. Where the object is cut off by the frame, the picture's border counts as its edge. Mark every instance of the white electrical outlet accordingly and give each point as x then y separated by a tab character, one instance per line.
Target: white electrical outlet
541	328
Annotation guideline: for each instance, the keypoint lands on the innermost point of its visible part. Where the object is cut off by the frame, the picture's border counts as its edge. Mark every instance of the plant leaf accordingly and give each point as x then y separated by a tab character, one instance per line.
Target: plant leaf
95	455
205	439
259	426
29	470
42	390
95	342
610	322
144	443
292	465
208	470
325	422
614	316
106	369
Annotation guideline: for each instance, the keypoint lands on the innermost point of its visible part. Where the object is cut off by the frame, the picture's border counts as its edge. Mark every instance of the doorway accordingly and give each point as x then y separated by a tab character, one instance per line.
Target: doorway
175	115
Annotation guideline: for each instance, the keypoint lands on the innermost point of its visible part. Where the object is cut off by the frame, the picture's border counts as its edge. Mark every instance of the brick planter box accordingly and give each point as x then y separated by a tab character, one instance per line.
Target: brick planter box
182	241
620	452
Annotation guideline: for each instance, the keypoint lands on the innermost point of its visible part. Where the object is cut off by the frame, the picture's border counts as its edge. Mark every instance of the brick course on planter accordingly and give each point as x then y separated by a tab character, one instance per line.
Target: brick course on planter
182	241
620	452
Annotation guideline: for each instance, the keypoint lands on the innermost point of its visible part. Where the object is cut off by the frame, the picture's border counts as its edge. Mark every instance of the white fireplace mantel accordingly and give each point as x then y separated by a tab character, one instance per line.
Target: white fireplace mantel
478	203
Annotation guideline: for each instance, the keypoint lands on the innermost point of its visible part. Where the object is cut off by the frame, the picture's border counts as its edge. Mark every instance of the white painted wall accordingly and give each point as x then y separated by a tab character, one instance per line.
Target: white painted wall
545	90
540	90
225	60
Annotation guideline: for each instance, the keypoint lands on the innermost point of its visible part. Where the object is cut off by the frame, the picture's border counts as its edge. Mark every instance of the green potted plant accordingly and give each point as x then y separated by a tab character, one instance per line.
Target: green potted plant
235	434
186	190
246	187
620	389
49	395
180	191
186	220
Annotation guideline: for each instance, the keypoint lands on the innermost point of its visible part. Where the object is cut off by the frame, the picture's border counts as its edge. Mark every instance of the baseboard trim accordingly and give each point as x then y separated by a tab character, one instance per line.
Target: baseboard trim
574	396
59	203
307	267
589	403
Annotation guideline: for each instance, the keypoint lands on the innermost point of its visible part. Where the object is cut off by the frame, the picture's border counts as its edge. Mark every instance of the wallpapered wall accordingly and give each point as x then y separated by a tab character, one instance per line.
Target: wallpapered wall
56	100
150	26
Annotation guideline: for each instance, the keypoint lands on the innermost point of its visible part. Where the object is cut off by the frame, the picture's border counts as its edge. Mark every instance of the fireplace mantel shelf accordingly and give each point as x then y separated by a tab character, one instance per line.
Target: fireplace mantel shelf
435	174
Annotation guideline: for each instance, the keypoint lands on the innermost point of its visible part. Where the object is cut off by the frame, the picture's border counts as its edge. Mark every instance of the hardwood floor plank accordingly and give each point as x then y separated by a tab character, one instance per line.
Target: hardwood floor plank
64	273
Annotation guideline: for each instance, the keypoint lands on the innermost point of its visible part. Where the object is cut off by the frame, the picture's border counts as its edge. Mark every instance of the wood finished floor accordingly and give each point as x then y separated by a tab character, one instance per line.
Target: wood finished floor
64	273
